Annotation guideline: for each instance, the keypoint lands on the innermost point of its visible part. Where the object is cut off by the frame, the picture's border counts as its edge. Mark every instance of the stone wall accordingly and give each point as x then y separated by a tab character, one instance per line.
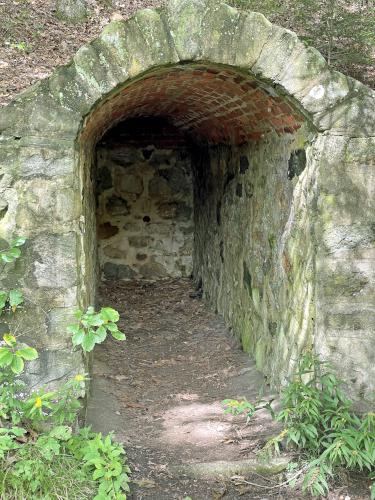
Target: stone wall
145	211
222	76
345	261
40	190
253	250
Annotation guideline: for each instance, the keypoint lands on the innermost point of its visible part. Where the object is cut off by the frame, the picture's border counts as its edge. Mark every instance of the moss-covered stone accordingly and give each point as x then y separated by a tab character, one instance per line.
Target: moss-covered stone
287	261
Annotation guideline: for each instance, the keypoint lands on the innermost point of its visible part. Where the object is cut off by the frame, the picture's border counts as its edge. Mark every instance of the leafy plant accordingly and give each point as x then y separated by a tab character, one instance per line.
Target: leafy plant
319	420
103	458
22	46
92	327
40	456
13	252
12	356
236	407
30	456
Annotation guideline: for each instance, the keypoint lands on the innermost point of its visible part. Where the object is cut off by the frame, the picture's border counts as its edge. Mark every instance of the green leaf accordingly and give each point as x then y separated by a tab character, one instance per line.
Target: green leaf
78	337
10	255
88	342
15	299
6	356
10	340
78	314
17	365
112	327
95	320
118	335
27	353
18	431
18	242
61	432
109	314
3	299
98	473
101	334
73	329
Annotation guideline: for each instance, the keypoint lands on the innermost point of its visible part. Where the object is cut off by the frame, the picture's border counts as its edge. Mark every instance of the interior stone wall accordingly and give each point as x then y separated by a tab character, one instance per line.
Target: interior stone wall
145	211
253	253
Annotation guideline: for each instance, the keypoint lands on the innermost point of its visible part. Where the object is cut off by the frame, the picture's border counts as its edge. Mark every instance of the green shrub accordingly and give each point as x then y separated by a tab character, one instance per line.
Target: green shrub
40	455
319	420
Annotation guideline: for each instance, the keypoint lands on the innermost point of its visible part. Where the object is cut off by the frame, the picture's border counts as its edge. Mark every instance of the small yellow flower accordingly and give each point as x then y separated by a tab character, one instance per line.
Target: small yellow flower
38	402
79	378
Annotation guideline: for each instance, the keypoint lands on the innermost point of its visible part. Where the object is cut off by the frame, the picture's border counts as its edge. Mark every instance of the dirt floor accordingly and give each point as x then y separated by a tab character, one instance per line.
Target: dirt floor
33	42
161	392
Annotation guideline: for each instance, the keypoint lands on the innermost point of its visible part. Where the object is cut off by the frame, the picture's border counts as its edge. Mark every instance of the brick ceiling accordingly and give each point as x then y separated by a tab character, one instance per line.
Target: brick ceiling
210	104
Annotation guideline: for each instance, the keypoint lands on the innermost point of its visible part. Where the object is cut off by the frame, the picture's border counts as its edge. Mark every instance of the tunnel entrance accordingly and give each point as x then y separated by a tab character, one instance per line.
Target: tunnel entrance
200	171
283	151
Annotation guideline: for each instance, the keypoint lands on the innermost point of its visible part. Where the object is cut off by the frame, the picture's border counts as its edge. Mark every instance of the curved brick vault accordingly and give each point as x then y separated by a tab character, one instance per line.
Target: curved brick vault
287	261
215	104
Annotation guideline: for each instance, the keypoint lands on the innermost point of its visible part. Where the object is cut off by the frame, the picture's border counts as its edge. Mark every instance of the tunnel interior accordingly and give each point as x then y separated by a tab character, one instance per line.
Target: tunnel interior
144	201
200	171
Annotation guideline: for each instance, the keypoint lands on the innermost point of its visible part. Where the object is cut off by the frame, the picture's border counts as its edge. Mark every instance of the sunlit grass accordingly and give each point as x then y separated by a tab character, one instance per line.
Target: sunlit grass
62	478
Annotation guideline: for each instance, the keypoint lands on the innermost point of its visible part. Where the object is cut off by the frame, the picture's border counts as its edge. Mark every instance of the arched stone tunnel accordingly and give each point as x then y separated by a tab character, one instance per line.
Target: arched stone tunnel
216	203
230	137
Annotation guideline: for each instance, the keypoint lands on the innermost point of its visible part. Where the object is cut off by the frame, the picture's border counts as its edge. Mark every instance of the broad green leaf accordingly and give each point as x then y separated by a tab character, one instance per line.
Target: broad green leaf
118	335
18	431
78	337
15	299
61	432
95	320
17	365
3	299
78	314
101	496
101	334
109	314
11	254
10	339
5	257
18	242
27	353
112	327
6	356
88	342
98	473
116	469
73	329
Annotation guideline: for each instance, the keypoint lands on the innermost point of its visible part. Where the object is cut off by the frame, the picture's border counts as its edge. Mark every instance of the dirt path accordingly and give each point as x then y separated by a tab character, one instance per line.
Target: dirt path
161	393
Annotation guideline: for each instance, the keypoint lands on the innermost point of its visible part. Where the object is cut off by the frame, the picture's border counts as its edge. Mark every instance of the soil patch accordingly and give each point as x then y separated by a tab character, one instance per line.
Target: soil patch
161	392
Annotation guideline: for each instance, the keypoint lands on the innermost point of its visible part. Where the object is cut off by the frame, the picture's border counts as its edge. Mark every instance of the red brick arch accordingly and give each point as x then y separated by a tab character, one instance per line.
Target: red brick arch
215	104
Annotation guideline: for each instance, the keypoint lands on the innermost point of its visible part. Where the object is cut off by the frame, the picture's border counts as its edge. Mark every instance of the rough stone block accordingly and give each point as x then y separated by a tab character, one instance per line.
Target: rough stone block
186	18
70	90
254	32
352	117
53	264
276	52
118	271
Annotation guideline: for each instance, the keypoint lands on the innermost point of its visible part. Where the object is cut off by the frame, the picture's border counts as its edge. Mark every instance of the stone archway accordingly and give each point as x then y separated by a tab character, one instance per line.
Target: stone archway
301	274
